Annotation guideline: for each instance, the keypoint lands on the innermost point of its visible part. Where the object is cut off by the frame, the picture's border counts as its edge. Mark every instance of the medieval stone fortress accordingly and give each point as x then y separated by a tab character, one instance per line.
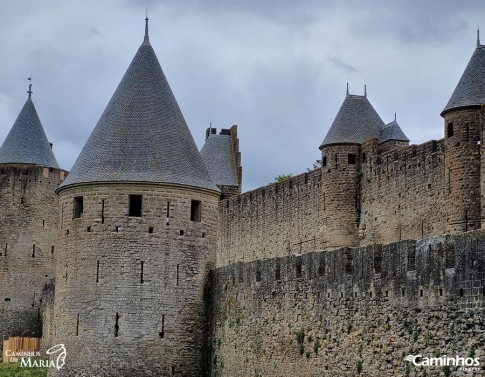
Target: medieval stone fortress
147	260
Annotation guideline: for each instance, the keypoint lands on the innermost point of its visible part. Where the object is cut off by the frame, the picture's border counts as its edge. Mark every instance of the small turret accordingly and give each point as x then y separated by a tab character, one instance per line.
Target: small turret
29	175
463	124
355	123
223	160
392	136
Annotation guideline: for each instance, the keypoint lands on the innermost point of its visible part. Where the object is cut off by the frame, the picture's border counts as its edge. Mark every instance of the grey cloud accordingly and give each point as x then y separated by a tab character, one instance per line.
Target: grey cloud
340	64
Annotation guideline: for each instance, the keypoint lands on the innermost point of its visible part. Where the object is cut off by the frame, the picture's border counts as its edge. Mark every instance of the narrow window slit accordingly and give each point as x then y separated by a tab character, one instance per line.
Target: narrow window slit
117	326
162	333
141	272
102	211
33	250
77	325
178	274
97	271
168	213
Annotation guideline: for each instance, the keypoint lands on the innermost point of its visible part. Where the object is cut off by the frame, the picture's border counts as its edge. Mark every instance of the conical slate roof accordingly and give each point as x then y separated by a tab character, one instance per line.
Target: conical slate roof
141	135
27	143
356	122
392	131
470	90
218	157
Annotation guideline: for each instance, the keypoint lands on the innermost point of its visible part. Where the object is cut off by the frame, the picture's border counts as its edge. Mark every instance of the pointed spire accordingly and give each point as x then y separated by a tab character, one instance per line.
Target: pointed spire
478	36
365	91
160	148
347	89
395	117
26	142
30	87
146	40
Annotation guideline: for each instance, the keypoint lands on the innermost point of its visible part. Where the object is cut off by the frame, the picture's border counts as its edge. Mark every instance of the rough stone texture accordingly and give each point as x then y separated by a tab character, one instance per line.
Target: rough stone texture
325	313
403	193
341	195
275	220
161	312
28	228
462	166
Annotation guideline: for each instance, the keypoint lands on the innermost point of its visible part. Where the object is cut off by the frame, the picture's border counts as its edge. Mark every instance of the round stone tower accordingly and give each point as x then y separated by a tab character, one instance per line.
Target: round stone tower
137	238
29	175
355	123
462	141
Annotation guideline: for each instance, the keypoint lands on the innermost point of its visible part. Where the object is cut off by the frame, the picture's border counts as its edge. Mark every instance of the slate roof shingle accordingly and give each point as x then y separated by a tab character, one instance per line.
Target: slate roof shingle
356	122
142	135
218	157
392	131
470	90
26	142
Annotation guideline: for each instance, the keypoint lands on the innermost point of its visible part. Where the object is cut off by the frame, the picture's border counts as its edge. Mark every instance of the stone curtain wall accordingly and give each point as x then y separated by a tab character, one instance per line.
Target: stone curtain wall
275	220
404	193
28	232
351	312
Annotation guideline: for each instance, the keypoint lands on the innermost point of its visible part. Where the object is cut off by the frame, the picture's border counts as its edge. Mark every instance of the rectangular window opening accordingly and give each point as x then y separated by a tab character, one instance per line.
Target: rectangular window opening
33	250
135	203
77	325
298	268
52	249
449	130
321	268
78	207
97	272
195	209
150	229
352	159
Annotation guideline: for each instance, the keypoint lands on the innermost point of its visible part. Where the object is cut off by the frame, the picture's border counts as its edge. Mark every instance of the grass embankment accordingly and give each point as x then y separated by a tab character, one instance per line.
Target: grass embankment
14	370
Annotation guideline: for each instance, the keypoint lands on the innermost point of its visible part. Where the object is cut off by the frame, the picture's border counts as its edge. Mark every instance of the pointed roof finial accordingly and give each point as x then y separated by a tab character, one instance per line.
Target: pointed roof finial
30	86
395	117
347	89
478	36
365	91
146	39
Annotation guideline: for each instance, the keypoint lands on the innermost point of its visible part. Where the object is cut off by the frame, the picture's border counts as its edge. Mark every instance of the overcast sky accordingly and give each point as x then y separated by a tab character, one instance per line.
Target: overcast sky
278	69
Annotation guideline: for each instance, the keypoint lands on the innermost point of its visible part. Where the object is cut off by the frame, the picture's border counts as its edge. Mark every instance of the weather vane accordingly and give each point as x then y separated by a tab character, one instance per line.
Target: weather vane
30	86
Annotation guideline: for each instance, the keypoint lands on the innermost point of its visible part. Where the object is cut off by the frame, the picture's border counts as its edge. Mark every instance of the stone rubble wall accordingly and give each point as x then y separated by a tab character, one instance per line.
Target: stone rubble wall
275	220
329	313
